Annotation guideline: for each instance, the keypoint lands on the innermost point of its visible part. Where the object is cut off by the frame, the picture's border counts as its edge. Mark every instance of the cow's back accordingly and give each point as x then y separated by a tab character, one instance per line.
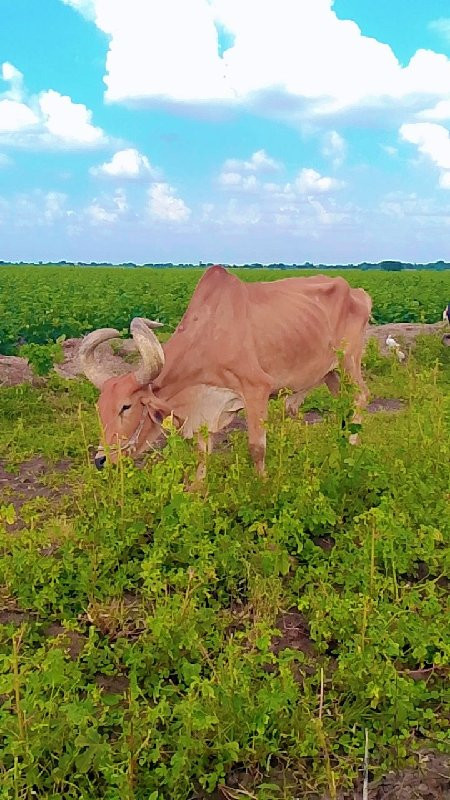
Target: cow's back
259	330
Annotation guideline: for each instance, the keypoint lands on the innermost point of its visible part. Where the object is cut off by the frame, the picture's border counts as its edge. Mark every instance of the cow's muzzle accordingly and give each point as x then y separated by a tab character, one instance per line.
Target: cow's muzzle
100	461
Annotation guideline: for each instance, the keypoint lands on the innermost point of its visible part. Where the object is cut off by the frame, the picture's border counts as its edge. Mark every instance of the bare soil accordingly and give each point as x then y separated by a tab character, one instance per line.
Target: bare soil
405	333
119	354
14	370
28	483
429	779
294	634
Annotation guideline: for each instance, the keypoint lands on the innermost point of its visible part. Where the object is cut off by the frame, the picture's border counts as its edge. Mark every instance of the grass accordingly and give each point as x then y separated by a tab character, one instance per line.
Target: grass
150	660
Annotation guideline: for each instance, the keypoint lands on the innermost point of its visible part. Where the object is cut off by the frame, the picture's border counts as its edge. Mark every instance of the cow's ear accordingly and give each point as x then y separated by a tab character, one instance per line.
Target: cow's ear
156	415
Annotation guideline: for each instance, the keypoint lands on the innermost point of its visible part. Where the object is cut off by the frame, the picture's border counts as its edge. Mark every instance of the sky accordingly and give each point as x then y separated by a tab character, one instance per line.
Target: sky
225	131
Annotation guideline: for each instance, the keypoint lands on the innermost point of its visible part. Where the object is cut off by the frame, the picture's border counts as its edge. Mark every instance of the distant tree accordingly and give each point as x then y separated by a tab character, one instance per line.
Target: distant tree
391	266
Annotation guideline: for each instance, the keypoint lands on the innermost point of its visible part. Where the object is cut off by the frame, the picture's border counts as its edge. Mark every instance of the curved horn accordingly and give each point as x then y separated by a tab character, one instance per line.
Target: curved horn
151	323
93	370
150	349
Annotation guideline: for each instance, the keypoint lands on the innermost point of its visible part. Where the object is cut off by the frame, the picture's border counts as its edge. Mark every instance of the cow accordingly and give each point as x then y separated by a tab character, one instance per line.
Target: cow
237	345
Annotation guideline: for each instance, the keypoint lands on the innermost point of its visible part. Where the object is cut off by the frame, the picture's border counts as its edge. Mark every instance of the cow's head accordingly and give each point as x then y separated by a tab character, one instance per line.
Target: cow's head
130	413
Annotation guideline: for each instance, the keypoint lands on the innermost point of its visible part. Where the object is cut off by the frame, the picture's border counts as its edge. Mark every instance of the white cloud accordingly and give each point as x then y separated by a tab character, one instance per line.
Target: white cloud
14	77
259	161
15	117
166	50
389	149
334	147
431	140
108	209
54	206
238	173
235	180
85	7
5	161
444	180
129	164
68	121
48	119
287	58
164	205
309	181
98	214
441	111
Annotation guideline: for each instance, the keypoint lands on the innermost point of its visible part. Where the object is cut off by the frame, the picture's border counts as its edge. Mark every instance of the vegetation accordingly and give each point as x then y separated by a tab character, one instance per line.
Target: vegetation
41	305
158	643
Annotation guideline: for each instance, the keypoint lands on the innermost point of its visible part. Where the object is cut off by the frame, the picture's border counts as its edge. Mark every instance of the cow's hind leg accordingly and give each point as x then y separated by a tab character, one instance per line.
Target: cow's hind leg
256	403
293	402
352	365
331	379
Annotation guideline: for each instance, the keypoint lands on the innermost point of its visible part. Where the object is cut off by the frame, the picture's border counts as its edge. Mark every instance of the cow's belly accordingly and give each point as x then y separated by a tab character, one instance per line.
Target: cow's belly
303	377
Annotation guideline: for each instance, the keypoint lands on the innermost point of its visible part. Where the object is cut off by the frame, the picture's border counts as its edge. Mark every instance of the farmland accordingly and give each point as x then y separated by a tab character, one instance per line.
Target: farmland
243	640
38	304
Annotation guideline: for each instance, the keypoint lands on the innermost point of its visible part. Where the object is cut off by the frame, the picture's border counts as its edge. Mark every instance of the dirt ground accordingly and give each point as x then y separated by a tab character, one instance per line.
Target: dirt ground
15	370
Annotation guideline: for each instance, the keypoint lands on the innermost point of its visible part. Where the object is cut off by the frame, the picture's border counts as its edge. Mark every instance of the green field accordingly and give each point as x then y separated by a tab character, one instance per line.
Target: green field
158	644
39	304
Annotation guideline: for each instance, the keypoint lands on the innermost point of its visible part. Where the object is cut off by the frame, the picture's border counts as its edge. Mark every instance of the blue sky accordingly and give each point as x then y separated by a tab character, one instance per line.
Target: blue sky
224	130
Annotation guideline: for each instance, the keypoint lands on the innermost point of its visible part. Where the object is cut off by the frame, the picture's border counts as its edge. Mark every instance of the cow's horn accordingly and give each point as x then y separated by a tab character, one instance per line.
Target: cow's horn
149	347
94	370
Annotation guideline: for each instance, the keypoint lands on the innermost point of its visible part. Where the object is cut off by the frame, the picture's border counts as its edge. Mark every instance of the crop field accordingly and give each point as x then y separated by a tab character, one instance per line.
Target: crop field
252	639
38	304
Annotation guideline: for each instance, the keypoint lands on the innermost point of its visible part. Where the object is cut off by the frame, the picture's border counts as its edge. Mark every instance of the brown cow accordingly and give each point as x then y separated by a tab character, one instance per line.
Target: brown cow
237	345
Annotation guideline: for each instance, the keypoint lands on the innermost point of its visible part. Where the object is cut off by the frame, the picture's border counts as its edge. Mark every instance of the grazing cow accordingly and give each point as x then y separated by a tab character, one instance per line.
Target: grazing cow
237	345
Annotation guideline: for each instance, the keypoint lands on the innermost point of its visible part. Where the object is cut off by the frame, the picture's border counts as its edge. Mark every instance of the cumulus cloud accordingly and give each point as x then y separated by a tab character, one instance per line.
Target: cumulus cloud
16	117
143	40
431	140
14	77
287	58
309	181
334	147
165	205
48	119
85	7
235	180
441	111
5	161
107	210
241	174
67	121
259	161
129	164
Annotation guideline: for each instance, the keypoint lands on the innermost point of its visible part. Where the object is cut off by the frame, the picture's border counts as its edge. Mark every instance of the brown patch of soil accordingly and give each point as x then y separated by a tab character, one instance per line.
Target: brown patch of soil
14	370
429	780
14	617
312	417
71	641
385	404
221	440
119	356
326	543
294	634
404	332
113	684
27	483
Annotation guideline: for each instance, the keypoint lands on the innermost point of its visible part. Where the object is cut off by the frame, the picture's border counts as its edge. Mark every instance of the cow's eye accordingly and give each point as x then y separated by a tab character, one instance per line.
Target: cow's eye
124	408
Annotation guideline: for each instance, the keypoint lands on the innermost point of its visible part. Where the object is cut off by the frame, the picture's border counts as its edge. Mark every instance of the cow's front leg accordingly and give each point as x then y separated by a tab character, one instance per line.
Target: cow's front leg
256	409
204	444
